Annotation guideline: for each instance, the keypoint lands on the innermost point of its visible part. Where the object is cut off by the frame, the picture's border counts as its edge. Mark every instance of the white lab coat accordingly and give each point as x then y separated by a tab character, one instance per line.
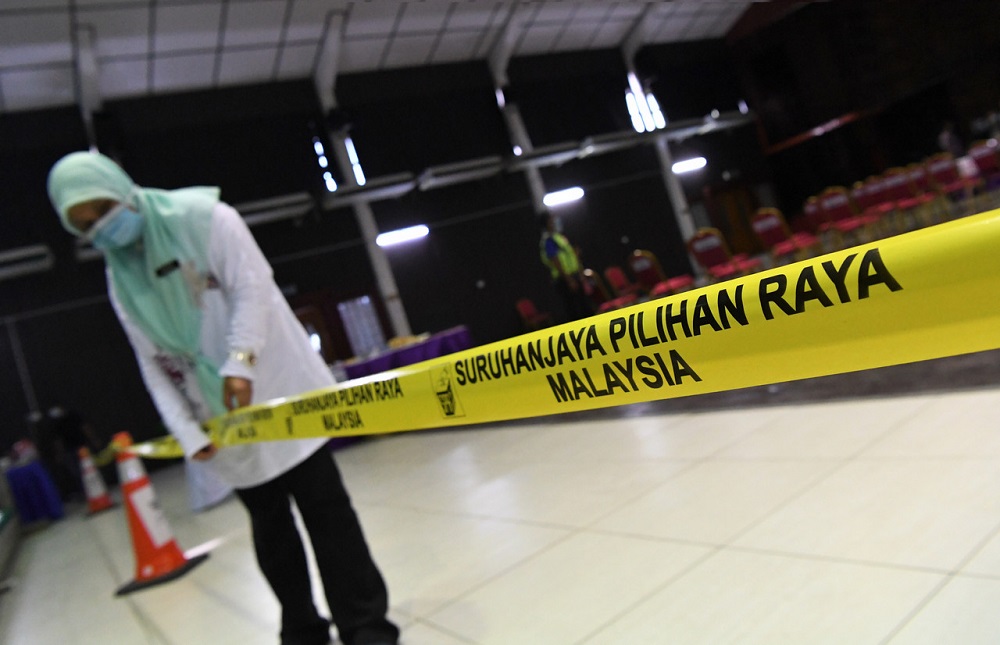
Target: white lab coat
242	310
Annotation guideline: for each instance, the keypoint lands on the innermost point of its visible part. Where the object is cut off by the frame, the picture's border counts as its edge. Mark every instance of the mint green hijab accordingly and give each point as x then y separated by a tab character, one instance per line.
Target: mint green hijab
176	228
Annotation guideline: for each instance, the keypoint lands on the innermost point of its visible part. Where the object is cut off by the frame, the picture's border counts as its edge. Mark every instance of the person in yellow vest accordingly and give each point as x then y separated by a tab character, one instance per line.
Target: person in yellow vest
559	256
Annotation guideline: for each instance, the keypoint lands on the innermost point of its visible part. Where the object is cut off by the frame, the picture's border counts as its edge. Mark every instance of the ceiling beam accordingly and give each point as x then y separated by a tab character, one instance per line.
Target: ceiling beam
636	36
328	60
88	89
503	49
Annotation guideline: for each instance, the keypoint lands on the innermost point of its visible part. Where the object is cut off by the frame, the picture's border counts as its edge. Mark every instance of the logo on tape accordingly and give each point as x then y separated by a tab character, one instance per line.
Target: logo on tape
441	383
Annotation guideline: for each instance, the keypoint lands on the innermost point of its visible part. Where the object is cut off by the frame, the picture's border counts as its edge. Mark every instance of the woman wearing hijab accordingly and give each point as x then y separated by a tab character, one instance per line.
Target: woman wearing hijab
212	332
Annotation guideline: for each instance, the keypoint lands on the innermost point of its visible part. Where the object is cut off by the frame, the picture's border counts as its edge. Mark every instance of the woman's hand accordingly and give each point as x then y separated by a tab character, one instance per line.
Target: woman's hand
205	453
236	392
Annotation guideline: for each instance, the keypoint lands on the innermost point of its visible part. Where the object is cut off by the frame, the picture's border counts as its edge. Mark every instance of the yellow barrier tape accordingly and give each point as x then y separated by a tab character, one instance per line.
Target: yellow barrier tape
106	456
926	294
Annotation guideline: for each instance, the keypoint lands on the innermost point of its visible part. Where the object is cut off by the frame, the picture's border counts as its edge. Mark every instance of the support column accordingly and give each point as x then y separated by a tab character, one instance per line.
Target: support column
519	136
369	231
22	366
88	93
635	39
682	210
498	59
324	79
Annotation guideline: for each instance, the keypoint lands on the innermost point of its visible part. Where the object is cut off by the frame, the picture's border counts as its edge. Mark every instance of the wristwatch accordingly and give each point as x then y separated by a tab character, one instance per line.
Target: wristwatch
246	357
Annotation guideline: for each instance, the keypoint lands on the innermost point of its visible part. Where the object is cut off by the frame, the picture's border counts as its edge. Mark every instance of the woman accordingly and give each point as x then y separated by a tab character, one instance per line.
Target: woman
212	332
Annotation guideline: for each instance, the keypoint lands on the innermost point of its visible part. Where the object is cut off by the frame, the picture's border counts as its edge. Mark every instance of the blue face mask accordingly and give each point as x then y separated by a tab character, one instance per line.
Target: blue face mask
119	228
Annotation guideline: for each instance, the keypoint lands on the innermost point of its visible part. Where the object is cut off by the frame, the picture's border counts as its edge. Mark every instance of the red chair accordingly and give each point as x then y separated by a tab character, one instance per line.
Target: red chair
710	250
619	282
839	214
984	153
864	195
926	202
812	214
649	274
772	230
896	185
944	176
868	197
617	303
900	191
625	292
530	316
594	288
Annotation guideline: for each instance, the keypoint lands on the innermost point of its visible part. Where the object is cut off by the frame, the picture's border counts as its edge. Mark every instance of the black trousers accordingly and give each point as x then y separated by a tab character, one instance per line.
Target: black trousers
354	588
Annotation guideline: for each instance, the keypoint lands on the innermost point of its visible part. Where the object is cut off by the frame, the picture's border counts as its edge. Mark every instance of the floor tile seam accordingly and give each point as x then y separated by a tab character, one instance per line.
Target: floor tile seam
475	516
822	557
723	459
973	575
926	458
691	466
797	555
694	463
840	465
153	633
716	550
809	486
942	584
501	573
894	427
652	593
661	539
426	622
223	600
385	504
730	444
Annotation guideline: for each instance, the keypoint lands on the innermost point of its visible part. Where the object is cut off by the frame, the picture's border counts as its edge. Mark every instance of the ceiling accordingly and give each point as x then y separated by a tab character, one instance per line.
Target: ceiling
63	52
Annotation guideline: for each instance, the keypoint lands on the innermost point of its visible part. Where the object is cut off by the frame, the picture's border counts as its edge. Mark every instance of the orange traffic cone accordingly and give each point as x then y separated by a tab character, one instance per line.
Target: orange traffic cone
93	485
157	557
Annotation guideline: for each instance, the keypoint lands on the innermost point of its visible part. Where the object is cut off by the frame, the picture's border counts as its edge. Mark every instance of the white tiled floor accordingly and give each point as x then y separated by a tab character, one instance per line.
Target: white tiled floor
873	521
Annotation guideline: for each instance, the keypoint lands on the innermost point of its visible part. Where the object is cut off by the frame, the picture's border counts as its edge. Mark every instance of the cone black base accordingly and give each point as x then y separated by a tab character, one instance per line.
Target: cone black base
136	585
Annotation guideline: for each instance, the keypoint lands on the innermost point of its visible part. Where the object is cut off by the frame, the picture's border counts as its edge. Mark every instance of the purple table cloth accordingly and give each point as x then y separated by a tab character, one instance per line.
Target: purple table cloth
440	344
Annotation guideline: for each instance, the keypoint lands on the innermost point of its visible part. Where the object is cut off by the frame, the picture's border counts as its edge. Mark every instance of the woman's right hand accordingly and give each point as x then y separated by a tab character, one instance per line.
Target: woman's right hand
205	453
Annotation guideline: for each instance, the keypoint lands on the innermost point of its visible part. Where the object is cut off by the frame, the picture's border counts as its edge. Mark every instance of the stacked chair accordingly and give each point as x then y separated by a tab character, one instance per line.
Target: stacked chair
531	317
709	248
943	172
649	274
624	291
840	217
785	246
617	289
901	199
594	287
987	159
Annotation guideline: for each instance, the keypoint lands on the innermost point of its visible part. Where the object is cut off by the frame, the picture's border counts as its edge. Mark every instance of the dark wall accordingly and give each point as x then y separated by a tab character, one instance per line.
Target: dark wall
409	119
566	97
79	357
29	143
690	79
254	142
902	67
